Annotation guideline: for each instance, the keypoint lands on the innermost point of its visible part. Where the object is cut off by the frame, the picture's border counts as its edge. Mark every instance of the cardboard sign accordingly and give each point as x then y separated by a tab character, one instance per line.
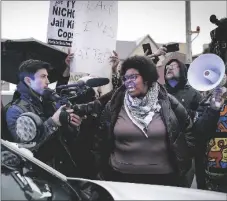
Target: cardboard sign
94	37
61	23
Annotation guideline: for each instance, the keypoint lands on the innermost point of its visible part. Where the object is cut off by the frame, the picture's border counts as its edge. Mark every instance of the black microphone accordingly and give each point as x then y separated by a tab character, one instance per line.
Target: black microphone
80	83
71	89
51	95
97	82
93	82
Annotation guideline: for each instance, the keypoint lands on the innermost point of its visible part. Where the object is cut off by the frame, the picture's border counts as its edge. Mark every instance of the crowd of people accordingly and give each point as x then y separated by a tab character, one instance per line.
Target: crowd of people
140	132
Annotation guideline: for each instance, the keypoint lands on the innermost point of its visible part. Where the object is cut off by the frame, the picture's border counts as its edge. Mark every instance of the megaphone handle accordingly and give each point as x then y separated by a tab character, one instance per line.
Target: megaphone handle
206	98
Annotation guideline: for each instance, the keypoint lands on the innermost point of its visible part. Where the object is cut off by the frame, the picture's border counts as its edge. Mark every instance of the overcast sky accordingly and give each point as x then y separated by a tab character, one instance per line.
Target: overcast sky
163	20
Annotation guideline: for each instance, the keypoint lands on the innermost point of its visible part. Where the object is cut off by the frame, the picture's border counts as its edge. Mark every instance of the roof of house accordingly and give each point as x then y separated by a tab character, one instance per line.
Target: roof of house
125	48
139	40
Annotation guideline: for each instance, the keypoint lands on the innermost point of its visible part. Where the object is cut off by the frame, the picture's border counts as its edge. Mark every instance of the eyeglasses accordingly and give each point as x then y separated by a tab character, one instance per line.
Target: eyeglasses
173	66
132	77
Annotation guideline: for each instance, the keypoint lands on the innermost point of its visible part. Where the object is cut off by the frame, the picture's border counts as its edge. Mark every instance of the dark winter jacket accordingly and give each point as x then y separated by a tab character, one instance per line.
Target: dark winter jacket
29	101
178	123
183	92
50	145
204	128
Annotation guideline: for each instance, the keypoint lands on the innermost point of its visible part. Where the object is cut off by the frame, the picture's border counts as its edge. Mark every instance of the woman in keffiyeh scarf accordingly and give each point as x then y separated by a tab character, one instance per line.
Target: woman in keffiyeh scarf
145	132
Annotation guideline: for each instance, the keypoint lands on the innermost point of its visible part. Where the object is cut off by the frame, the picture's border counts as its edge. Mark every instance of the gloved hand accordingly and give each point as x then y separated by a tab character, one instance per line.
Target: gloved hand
65	116
217	98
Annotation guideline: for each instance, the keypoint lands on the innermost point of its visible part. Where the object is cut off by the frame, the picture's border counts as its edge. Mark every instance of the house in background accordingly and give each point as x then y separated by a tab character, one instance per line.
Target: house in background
179	55
182	47
130	48
206	49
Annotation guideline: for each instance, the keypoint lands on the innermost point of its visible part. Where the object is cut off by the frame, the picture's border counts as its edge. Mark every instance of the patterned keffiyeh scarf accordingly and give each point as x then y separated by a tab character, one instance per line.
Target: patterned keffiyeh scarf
141	111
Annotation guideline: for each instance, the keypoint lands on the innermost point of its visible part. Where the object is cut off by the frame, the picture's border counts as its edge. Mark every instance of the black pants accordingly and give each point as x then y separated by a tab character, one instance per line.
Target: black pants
216	183
156	179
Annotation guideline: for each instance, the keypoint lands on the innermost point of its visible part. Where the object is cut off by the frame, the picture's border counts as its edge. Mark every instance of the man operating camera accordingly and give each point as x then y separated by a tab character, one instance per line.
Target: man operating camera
30	119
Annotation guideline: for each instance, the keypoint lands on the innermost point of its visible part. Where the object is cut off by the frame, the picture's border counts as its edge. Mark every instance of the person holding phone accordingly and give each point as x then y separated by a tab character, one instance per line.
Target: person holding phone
154	56
176	84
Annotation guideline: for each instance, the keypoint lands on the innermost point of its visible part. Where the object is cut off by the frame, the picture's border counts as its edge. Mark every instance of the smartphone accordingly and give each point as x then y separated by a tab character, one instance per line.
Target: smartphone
172	47
146	47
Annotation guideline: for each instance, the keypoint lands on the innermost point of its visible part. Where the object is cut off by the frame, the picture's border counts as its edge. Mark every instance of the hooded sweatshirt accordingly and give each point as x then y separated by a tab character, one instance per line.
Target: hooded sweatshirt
188	96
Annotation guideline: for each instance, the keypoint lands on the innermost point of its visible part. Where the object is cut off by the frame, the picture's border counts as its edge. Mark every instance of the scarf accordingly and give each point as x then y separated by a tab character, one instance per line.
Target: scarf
141	111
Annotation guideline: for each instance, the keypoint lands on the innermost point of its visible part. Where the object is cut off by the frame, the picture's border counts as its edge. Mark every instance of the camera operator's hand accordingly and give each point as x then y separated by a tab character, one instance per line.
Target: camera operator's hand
56	115
66	116
75	120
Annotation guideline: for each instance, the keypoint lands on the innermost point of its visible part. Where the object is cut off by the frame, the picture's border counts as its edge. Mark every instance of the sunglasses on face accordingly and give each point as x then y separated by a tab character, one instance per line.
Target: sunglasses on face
132	77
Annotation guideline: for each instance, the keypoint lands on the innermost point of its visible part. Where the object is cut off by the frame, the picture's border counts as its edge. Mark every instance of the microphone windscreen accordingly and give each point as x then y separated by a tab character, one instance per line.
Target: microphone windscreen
47	93
97	82
79	83
50	94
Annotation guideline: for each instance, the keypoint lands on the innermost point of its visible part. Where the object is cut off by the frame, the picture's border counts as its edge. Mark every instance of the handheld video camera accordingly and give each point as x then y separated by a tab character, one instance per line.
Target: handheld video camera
76	96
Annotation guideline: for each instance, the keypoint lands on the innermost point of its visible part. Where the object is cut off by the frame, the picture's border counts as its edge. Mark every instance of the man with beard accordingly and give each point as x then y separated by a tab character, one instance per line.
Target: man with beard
177	85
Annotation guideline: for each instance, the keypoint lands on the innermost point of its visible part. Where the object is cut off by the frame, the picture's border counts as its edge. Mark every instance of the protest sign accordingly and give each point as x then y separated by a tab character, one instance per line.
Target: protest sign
61	23
94	37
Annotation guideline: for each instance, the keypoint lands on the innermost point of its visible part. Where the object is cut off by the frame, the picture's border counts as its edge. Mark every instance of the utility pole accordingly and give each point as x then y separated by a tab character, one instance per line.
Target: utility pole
188	32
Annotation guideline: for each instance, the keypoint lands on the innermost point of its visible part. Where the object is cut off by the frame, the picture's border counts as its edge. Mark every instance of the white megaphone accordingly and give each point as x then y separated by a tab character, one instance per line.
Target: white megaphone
206	72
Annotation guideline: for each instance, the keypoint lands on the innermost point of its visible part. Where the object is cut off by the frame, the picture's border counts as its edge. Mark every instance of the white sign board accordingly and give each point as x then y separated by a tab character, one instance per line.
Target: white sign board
94	37
61	23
